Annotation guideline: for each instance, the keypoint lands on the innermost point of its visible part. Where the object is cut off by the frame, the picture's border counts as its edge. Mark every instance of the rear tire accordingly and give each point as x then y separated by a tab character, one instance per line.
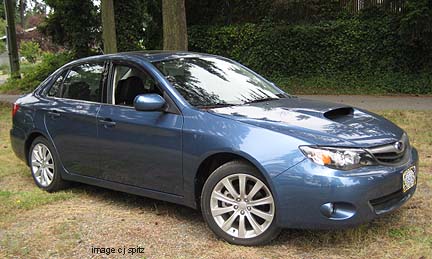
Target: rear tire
44	166
238	206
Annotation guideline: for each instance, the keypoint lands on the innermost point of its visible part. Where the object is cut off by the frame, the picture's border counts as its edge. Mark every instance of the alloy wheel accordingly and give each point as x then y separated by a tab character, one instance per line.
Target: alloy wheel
242	206
42	164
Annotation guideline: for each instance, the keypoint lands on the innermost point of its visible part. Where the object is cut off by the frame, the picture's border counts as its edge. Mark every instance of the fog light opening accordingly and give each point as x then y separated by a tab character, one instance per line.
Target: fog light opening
338	210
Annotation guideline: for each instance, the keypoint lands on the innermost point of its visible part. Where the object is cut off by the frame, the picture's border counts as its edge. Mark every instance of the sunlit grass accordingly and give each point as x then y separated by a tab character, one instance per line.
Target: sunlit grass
17	190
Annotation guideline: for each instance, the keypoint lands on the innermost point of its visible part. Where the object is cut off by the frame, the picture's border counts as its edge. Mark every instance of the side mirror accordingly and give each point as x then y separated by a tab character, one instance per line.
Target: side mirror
148	102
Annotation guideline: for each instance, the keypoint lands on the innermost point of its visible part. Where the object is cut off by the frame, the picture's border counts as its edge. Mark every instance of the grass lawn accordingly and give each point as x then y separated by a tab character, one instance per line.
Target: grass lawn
67	224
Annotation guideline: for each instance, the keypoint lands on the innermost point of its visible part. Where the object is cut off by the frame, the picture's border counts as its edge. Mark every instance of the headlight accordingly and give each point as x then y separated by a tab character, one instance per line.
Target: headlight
338	158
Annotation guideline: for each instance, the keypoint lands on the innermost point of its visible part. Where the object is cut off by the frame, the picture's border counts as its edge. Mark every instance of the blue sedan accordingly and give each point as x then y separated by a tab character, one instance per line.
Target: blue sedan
206	132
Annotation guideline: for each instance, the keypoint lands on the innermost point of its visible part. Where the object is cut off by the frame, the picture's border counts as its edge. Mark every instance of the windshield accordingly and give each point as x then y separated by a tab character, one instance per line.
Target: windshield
212	81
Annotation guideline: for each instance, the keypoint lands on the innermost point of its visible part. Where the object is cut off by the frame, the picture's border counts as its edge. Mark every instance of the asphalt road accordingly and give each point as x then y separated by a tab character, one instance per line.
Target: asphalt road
361	101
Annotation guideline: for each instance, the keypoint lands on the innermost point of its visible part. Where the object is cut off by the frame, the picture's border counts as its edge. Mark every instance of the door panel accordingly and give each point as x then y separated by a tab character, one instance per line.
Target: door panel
141	148
72	126
71	117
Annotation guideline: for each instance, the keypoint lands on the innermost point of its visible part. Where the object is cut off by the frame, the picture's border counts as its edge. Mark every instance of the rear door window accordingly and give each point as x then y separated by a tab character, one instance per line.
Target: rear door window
84	82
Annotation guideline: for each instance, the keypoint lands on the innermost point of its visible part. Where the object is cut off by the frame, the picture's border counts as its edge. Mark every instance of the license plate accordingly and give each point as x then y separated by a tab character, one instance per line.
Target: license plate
409	178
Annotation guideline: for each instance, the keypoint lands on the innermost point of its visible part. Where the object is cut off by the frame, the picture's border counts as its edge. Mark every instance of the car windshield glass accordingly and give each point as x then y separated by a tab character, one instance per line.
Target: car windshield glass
215	82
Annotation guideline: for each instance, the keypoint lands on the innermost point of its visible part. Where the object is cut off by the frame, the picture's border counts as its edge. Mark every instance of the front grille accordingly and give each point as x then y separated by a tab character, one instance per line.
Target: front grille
393	153
390	157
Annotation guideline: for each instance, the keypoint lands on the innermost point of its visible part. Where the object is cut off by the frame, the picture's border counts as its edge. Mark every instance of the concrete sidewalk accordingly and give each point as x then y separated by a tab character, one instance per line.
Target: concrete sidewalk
361	101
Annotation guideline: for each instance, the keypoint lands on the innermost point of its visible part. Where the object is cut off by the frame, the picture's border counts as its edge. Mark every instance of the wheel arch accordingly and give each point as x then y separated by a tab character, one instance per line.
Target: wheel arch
29	140
213	161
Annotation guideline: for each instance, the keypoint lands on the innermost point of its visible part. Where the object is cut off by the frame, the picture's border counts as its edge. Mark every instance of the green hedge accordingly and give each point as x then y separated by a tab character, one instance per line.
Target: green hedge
360	50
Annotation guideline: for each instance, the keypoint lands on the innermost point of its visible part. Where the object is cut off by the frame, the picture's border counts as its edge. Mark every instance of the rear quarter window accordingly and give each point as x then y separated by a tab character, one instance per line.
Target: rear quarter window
55	89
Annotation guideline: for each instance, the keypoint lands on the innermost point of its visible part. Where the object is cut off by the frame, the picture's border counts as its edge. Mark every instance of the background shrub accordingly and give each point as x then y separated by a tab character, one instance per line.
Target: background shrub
30	50
33	77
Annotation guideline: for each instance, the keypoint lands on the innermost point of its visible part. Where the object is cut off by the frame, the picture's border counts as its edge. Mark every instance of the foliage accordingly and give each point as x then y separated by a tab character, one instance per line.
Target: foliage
208	12
130	32
416	28
153	37
30	50
342	83
144	31
32	78
2	10
74	24
2	27
44	42
2	33
364	46
77	25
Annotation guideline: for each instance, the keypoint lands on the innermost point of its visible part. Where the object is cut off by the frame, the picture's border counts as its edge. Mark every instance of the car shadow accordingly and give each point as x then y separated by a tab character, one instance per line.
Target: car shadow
138	202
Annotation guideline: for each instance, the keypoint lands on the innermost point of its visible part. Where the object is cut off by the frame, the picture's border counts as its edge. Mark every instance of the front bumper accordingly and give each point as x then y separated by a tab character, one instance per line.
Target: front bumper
367	192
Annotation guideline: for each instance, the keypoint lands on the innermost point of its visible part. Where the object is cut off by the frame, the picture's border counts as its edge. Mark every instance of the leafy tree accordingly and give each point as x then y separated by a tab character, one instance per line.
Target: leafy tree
415	30
416	24
2	10
2	32
153	30
22	5
208	12
30	50
131	19
74	24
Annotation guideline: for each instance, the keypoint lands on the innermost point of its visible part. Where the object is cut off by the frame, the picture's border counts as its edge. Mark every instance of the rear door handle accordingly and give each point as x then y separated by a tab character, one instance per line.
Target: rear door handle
107	122
54	114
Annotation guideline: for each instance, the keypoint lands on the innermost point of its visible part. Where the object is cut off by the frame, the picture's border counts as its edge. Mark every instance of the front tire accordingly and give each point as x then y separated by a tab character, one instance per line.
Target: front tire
44	166
238	206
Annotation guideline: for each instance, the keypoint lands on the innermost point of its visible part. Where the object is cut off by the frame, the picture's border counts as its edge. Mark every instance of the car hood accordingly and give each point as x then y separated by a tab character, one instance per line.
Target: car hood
316	122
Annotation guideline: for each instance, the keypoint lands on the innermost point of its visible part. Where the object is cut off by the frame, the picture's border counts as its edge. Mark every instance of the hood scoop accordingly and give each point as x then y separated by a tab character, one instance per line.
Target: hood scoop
341	115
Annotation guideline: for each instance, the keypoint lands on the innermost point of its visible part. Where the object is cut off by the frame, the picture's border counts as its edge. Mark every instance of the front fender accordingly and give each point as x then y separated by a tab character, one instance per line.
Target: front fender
205	134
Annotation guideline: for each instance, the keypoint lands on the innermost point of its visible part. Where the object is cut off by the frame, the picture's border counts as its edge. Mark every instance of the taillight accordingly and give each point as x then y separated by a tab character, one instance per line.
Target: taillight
15	108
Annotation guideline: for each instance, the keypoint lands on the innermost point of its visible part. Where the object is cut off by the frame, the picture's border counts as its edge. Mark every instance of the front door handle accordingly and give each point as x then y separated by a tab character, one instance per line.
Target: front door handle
107	122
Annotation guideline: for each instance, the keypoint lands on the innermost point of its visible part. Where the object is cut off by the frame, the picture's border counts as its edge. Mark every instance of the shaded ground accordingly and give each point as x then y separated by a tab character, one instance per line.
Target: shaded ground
36	224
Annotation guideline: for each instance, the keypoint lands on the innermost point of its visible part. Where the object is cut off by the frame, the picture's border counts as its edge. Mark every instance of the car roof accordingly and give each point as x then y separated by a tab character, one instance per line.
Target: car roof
159	55
150	56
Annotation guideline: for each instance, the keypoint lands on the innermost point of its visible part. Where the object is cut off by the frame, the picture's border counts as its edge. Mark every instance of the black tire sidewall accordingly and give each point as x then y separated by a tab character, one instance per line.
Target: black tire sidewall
235	167
57	183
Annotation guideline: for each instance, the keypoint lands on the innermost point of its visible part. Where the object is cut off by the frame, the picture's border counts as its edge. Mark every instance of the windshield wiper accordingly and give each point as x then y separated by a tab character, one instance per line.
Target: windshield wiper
263	100
215	105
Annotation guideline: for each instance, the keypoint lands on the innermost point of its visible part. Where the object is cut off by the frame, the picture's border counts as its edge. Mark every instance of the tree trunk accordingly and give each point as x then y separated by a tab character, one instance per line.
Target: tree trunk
108	27
174	25
11	39
22	7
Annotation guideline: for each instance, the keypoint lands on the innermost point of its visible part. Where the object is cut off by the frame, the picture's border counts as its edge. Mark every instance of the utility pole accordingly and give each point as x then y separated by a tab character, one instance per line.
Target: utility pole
11	39
108	27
